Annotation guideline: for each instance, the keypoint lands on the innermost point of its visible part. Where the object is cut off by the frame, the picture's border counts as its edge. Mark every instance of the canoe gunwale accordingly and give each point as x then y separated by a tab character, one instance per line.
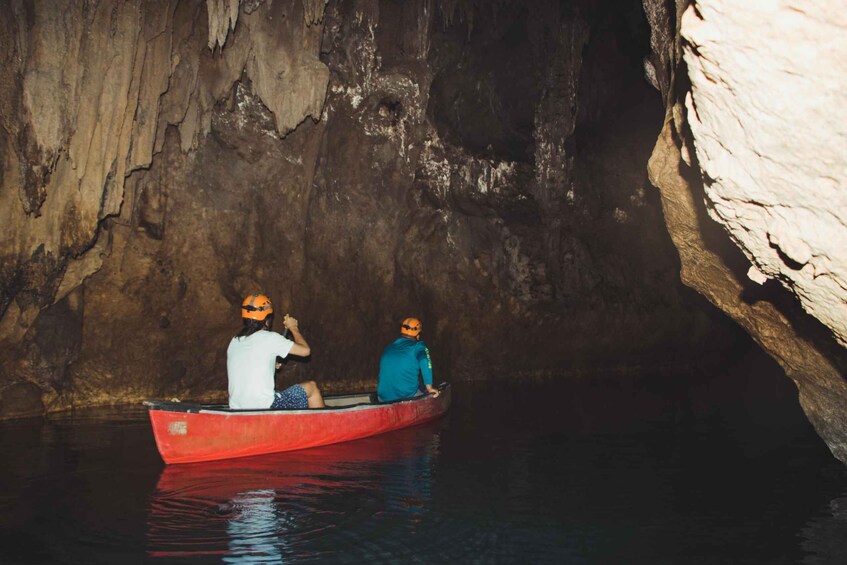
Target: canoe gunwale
196	408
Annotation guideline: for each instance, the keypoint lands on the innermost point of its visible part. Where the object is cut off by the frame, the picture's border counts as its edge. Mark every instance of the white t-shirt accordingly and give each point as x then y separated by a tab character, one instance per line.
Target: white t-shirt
250	365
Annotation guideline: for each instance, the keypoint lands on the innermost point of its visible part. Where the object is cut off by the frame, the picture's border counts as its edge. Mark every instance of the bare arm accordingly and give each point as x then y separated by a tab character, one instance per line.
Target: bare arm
301	347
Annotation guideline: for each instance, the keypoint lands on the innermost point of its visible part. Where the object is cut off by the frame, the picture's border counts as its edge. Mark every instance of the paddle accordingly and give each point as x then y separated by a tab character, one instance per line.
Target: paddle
285	334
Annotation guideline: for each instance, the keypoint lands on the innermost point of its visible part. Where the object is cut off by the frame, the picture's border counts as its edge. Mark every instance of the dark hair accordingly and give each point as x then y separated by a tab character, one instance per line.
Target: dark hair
252	326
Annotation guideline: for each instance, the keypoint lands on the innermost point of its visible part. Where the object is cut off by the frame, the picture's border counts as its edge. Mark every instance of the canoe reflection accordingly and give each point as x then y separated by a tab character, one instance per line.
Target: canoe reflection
272	507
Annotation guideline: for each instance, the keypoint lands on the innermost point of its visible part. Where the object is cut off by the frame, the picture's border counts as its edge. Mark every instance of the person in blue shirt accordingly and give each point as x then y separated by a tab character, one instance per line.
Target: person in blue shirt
404	364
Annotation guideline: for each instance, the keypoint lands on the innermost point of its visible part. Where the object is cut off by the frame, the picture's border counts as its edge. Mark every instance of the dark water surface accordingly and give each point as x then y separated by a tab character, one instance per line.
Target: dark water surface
719	469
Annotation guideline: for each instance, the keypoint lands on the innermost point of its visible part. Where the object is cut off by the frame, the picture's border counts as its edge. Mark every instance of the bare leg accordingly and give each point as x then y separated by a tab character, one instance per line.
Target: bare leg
313	394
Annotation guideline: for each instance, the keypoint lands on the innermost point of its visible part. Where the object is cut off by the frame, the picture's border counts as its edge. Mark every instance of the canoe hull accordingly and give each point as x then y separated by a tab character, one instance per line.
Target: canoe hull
206	434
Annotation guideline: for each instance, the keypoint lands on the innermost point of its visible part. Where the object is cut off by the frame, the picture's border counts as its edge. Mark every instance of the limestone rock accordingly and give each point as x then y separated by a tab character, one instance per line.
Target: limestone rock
750	161
479	165
100	88
813	364
768	92
223	15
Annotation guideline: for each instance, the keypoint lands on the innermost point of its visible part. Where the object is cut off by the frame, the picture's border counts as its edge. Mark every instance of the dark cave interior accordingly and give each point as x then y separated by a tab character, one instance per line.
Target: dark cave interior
482	167
552	187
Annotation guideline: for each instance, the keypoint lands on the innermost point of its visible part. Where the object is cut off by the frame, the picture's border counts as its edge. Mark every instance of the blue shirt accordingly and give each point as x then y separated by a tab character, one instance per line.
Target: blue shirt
399	367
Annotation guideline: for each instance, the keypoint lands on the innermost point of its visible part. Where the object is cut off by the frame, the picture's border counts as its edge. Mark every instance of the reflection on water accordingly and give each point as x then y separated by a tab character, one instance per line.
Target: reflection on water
256	530
694	469
824	537
259	508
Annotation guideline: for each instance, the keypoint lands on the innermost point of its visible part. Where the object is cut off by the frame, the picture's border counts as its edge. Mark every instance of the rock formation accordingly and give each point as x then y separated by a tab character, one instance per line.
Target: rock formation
750	150
482	165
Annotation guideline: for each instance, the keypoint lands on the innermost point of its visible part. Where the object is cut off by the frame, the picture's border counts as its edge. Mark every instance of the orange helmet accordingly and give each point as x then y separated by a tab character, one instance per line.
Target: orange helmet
410	327
256	307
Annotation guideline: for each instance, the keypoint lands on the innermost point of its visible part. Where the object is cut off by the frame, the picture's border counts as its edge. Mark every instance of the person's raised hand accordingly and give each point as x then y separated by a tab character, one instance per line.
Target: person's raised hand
290	323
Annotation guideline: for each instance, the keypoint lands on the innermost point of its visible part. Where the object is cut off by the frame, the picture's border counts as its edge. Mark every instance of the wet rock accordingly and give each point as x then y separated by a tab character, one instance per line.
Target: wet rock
20	400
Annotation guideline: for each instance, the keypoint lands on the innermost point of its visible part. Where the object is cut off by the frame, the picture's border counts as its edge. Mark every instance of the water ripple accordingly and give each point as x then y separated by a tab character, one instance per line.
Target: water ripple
264	509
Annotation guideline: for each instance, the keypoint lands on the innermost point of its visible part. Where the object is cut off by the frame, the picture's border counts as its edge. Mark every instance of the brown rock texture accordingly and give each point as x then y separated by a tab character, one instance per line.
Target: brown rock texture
482	166
90	93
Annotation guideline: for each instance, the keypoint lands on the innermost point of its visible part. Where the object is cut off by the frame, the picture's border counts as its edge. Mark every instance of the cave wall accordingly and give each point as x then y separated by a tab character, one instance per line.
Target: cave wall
750	164
510	241
482	167
90	94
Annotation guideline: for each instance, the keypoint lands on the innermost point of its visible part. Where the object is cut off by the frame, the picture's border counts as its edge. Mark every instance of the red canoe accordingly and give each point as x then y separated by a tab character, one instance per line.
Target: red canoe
188	433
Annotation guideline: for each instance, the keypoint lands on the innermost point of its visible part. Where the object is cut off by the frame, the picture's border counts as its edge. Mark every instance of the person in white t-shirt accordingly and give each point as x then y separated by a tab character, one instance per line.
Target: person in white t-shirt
251	361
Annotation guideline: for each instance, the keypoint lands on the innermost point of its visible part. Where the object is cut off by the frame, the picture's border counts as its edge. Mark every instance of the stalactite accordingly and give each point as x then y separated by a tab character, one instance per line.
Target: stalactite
313	11
455	11
223	15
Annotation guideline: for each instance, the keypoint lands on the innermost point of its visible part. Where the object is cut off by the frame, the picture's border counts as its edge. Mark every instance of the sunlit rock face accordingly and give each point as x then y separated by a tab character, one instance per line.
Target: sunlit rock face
751	169
481	168
768	122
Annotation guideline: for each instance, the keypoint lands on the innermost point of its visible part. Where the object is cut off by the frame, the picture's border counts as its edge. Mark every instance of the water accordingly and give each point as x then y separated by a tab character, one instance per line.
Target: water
723	469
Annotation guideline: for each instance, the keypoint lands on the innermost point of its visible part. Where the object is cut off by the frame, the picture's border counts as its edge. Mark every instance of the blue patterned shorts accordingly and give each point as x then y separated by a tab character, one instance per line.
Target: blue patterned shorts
292	398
